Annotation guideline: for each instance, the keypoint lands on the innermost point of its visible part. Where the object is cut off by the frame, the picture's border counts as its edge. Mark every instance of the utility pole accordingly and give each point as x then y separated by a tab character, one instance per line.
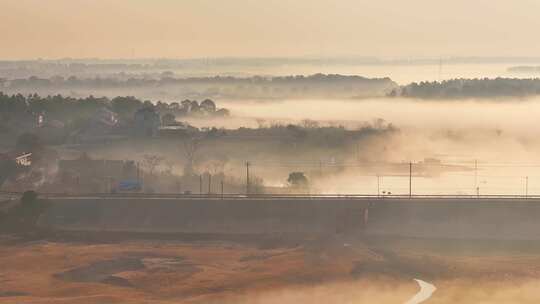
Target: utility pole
526	186
475	173
247	178
138	173
410	180
221	189
209	183
378	185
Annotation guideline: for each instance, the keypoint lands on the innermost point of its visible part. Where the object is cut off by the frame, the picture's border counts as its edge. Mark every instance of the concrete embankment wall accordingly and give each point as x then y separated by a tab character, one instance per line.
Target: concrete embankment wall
460	219
205	216
441	218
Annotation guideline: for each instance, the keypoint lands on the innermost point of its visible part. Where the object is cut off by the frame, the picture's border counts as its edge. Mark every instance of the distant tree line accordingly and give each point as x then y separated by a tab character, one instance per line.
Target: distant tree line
168	80
211	87
470	88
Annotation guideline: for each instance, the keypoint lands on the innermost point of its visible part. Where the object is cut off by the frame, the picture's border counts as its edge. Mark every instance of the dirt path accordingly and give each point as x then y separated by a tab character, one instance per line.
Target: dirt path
425	292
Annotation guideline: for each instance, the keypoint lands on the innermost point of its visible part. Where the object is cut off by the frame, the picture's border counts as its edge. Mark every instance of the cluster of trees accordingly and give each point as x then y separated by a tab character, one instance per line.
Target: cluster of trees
23	216
470	88
42	160
72	110
64	108
8	168
207	108
314	134
297	180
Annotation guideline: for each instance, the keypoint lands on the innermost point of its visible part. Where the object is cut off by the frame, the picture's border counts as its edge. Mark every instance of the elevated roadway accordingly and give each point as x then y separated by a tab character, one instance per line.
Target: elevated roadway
461	217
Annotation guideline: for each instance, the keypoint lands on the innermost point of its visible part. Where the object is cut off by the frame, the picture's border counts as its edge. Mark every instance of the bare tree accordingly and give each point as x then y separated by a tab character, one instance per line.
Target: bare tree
310	124
169	165
151	162
191	146
260	123
216	166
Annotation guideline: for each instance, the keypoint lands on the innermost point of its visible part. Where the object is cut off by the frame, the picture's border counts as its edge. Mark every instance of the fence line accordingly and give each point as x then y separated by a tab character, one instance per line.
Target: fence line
239	196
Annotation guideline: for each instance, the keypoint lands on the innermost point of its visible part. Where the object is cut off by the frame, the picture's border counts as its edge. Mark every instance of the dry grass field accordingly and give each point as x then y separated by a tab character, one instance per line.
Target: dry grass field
309	271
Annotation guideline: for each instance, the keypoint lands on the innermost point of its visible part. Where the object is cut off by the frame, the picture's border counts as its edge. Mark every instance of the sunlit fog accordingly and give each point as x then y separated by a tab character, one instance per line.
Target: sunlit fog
269	152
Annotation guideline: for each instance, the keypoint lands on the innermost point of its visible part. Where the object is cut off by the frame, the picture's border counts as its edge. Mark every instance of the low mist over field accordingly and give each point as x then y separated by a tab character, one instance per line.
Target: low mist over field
501	132
331	140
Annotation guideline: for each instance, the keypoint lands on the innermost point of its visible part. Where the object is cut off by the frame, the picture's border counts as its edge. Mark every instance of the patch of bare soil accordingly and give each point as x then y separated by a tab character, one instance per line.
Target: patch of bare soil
102	272
11	293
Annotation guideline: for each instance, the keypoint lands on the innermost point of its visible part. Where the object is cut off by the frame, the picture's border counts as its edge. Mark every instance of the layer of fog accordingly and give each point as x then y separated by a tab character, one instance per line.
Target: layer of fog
499	135
450	291
403	73
405	113
383	290
400	73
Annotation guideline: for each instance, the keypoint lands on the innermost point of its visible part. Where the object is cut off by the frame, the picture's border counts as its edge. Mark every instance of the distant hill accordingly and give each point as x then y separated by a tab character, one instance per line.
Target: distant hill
314	86
524	69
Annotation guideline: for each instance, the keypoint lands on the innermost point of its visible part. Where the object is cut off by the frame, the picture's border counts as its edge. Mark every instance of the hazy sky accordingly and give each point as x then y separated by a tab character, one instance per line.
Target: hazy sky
201	28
